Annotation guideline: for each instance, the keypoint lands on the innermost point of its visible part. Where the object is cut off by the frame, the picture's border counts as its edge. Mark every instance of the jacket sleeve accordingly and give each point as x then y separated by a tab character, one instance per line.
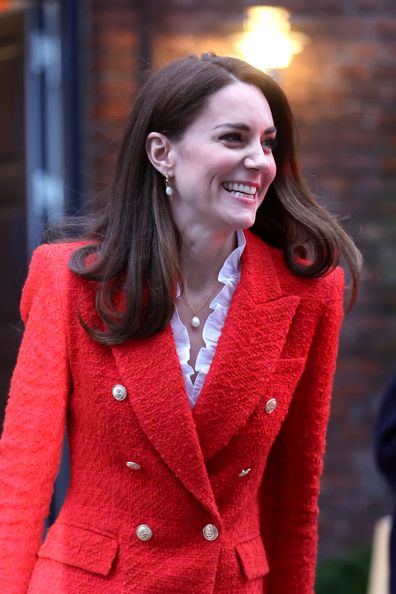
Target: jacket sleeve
31	443
291	483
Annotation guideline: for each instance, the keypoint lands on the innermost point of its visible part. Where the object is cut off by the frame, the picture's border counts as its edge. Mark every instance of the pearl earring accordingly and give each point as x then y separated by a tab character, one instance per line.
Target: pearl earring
168	187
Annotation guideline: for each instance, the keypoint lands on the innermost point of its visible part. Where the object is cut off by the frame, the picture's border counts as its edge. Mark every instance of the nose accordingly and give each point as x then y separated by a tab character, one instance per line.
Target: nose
258	158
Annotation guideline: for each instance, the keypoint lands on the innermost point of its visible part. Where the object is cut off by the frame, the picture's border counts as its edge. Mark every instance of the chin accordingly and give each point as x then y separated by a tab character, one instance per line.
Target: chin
243	222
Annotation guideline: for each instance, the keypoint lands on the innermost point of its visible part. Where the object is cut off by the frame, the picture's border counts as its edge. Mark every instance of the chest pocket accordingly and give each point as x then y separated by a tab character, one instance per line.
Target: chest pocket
80	547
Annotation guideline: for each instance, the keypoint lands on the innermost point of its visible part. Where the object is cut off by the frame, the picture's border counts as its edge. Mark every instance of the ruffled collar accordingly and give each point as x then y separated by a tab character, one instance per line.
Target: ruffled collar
229	276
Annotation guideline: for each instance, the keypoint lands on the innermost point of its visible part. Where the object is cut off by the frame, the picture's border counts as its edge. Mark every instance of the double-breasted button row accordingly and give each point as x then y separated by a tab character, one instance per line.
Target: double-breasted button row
144	532
270	406
120	393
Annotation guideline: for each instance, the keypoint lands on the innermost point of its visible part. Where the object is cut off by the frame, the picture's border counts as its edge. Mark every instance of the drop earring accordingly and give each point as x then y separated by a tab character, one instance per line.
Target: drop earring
168	187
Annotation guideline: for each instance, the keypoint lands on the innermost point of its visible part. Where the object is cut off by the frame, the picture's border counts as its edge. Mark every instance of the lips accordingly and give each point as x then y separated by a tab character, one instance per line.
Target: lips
240	188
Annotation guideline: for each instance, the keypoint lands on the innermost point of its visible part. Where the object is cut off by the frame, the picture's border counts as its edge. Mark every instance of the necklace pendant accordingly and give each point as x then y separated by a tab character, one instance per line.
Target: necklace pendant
195	322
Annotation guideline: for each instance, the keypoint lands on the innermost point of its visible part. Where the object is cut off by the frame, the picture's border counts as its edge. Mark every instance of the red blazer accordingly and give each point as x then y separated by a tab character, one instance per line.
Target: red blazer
228	491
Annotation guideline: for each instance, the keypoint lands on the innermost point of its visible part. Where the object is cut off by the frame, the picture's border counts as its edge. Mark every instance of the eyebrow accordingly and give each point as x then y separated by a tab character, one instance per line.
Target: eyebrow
240	126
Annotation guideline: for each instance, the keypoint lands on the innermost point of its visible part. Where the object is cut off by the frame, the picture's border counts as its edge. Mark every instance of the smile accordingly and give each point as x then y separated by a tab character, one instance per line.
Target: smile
245	192
239	188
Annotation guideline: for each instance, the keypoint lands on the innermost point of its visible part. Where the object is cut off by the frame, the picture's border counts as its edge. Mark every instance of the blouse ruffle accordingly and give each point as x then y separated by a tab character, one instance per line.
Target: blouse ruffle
229	275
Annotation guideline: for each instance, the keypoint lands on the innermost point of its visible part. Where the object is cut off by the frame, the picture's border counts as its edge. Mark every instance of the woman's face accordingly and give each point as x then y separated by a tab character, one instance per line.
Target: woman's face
223	164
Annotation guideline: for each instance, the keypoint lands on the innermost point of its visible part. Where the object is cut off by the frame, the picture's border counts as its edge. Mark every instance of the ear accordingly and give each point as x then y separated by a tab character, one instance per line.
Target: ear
158	149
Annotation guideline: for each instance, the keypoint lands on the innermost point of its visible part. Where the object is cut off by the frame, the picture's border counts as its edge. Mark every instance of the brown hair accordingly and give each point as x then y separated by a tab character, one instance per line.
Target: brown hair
134	239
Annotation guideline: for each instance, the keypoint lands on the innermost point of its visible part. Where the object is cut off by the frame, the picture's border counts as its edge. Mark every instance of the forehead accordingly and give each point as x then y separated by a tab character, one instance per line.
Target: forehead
237	102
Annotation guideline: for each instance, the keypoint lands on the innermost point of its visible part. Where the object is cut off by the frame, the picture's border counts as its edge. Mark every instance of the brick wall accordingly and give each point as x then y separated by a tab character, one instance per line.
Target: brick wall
342	88
110	78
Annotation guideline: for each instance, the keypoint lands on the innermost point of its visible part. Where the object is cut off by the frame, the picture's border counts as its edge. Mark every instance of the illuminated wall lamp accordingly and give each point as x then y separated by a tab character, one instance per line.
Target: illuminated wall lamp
267	41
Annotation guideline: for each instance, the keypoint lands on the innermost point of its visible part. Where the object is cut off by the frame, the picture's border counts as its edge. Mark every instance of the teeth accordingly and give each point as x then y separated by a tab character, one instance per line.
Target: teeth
234	187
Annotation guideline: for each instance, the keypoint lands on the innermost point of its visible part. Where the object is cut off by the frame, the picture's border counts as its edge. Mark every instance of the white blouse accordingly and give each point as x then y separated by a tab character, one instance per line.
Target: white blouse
229	275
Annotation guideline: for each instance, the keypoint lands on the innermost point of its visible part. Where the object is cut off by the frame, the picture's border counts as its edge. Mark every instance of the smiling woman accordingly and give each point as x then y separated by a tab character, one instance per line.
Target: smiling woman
220	172
188	338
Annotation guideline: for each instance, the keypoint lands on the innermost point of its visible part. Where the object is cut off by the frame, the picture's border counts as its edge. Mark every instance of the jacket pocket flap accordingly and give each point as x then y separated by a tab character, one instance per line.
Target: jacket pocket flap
252	558
80	547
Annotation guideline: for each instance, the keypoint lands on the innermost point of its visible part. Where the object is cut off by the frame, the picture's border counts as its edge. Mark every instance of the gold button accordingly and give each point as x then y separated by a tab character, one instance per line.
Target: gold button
271	406
119	392
133	465
144	532
210	532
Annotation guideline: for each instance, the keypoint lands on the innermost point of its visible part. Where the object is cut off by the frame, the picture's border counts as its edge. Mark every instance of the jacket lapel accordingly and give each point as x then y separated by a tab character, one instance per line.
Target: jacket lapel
252	339
151	372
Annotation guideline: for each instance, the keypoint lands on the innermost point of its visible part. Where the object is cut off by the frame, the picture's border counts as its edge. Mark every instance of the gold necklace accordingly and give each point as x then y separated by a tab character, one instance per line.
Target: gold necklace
195	321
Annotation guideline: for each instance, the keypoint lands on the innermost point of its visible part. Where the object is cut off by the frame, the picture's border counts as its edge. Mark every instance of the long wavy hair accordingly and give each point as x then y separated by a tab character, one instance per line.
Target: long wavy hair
133	244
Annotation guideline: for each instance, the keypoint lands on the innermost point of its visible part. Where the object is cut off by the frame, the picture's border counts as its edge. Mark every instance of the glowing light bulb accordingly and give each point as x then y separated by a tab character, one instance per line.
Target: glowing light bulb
268	41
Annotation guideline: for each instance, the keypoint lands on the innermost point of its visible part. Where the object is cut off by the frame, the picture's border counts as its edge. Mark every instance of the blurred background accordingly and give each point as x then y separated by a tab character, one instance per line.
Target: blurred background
69	72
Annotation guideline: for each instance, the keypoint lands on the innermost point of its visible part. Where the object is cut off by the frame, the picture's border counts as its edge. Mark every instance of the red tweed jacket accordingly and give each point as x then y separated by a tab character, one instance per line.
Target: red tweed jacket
221	499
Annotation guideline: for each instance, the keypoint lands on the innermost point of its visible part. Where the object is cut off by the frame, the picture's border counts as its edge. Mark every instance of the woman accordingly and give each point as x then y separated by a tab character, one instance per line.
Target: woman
191	358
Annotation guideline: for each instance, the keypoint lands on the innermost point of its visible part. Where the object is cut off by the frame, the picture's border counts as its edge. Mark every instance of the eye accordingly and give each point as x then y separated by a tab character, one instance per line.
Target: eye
270	143
232	137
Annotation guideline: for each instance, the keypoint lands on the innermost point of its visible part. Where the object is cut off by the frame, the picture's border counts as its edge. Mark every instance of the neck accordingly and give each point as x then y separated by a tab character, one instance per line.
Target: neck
202	256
